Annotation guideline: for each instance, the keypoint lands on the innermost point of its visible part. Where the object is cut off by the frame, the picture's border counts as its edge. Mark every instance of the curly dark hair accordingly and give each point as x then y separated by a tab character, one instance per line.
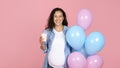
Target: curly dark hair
51	24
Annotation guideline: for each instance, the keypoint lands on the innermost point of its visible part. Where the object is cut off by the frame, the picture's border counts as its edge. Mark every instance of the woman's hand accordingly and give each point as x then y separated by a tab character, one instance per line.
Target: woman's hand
42	43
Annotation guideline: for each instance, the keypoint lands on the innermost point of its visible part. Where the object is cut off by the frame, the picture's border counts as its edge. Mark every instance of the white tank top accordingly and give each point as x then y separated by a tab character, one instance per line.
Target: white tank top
56	57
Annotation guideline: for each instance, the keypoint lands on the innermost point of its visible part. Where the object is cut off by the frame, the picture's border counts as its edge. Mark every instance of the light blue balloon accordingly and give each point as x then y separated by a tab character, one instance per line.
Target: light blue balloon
75	36
94	43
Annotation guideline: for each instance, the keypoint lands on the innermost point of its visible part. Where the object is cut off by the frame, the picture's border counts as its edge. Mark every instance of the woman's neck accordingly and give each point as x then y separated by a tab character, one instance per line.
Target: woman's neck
59	28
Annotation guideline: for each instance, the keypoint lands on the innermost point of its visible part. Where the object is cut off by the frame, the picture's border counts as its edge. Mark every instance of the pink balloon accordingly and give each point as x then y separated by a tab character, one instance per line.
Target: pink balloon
94	61
84	18
76	60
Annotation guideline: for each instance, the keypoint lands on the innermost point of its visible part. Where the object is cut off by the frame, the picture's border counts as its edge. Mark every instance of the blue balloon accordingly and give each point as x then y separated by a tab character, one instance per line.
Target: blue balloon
75	36
94	43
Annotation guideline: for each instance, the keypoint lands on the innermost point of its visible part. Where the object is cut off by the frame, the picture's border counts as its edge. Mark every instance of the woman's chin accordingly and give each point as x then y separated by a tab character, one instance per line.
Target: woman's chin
58	24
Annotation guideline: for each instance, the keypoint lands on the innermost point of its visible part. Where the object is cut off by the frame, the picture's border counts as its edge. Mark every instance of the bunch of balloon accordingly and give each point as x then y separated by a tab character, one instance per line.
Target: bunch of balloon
84	48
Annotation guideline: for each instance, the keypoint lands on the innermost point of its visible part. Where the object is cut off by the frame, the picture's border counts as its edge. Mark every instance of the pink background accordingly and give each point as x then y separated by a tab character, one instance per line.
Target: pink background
22	21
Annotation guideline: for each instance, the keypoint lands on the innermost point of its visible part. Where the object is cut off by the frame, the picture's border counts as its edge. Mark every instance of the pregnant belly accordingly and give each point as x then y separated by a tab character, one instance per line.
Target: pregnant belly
56	58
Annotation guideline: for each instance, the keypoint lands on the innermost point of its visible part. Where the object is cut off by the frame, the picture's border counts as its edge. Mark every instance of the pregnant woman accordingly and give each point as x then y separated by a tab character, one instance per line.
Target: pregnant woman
53	41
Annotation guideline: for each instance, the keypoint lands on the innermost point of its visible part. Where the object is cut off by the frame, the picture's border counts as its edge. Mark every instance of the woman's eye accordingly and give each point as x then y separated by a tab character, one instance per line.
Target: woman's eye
55	16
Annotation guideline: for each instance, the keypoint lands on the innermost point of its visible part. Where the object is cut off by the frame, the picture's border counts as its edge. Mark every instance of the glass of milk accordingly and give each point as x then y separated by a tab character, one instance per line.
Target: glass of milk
44	36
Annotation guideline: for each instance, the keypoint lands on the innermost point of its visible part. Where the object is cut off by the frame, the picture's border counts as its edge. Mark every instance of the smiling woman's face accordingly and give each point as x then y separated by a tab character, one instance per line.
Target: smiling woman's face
58	18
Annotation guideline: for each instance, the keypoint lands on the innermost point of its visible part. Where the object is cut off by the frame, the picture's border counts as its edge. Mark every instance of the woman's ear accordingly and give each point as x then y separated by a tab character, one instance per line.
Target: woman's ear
63	18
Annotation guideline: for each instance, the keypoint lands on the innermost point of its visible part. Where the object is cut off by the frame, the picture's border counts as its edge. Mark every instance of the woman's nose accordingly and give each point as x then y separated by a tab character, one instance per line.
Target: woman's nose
58	18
